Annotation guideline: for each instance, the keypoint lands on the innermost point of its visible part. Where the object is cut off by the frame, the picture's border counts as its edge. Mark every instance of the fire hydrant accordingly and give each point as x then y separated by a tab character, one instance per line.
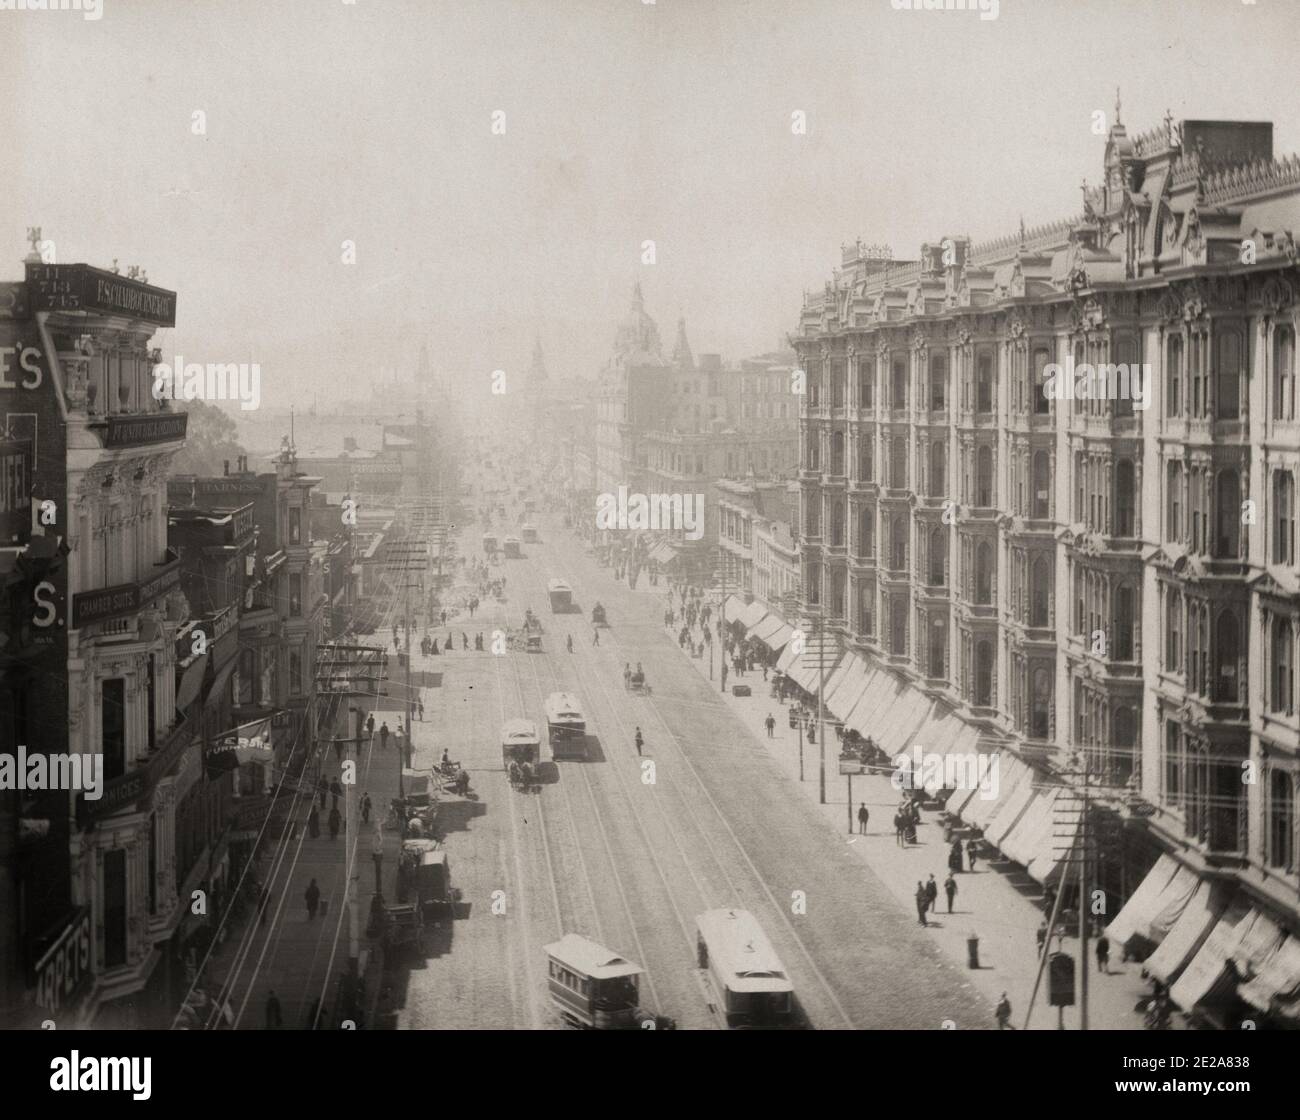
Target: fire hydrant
972	951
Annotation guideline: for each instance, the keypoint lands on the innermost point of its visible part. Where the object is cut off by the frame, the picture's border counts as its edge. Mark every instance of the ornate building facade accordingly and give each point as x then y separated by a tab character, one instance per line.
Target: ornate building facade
1100	582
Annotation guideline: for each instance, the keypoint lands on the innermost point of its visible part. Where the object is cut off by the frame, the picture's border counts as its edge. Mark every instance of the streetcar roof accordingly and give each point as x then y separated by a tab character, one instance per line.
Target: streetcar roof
558	585
584	956
519	731
742	951
563	705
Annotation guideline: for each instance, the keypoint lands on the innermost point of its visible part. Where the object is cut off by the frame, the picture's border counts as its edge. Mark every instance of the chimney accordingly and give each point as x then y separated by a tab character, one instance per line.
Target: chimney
225	466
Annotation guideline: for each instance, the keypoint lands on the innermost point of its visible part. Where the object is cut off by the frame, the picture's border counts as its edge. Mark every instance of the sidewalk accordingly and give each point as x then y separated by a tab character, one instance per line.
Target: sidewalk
987	904
299	957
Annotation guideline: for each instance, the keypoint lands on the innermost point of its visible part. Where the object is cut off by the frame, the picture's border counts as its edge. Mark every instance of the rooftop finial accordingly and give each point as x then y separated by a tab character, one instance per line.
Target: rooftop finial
1022	231
1117	120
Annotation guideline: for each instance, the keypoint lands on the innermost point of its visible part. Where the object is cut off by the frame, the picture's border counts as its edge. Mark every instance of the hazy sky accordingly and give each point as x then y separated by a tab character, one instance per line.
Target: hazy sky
625	121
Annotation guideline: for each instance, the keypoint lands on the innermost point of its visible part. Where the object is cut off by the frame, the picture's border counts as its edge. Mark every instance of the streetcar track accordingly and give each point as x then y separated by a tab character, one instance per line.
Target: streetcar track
565	566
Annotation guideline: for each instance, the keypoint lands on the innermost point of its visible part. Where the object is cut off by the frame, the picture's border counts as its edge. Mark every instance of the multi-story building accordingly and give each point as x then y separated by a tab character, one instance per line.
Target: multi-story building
1105	580
675	426
89	666
758	556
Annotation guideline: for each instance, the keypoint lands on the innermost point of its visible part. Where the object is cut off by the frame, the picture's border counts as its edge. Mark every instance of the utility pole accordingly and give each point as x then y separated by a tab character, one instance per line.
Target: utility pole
350	988
821	703
1083	899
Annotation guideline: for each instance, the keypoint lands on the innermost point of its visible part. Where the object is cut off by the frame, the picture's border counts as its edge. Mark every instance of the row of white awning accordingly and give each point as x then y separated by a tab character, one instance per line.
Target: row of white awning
1211	942
996	791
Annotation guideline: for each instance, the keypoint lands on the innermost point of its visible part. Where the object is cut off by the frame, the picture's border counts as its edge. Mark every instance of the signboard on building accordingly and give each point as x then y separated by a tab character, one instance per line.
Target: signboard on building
64	968
78	287
125	598
15	492
132	431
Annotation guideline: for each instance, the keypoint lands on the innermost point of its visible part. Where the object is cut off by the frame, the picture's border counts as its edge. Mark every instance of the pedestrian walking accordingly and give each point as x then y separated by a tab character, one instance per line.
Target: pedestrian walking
335	821
274	1019
336	791
313	822
568	642
313	899
770	723
595	637
420	707
1103	954
954	857
322	788
365	808
1049	899
1041	935
932	891
1003	1013
444	618
370	724
922	903
863	815
950	889
464	640
383	742
639	742
627	675
971	852
899	825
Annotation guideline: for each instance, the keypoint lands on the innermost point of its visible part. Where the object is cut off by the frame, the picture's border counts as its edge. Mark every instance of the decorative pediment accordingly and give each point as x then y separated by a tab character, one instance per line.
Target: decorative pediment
1276	295
1169	308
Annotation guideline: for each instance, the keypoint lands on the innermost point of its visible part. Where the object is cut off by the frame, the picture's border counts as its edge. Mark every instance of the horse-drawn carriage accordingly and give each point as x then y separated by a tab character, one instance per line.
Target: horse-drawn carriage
636	681
521	751
598	615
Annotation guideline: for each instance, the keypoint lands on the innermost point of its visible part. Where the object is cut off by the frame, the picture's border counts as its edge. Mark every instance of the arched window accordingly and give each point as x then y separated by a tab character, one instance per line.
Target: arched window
866	532
983	673
1174	376
898	386
1124	488
1124	611
938	468
898	625
938	647
1039	591
837	453
984	383
1284	373
1124	758
984	477
1041	506
1227	540
866	458
938	382
983	573
1281	819
1040	704
1283	698
898	543
1174	631
938	549
1227	642
837	523
1174	502
866	382
1227	405
1042	359
1283	517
